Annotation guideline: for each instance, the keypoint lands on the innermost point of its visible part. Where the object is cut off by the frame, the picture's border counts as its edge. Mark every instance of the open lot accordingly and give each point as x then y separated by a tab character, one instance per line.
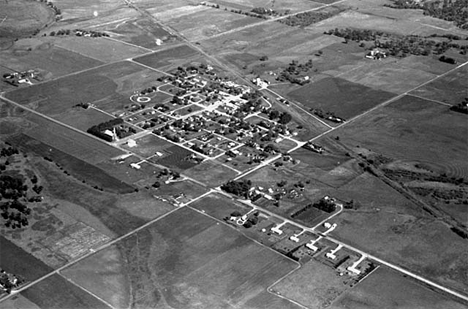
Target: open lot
385	288
218	173
195	263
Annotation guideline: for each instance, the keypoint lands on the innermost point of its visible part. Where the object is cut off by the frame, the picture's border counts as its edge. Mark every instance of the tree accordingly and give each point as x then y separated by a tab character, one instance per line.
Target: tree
157	184
285	118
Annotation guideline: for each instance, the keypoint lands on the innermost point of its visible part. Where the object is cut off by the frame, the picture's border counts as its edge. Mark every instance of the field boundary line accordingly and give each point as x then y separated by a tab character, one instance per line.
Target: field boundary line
430	100
148	67
127	43
86	290
270	287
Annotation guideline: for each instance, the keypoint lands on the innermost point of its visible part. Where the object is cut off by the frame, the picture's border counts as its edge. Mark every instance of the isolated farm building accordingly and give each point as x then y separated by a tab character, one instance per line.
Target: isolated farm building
376	54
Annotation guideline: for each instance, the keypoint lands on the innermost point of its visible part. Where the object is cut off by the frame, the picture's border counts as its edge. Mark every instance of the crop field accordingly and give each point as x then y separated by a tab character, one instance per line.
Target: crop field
385	288
451	88
314	285
56	292
391	77
401	129
167	57
77	144
102	49
83	119
346	99
202	263
218	173
108	87
14	260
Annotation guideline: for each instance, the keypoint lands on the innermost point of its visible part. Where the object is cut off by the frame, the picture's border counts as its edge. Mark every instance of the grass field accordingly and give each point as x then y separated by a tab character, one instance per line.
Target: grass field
24	17
403	128
176	158
346	99
314	285
182	263
219	206
167	57
56	292
386	288
218	174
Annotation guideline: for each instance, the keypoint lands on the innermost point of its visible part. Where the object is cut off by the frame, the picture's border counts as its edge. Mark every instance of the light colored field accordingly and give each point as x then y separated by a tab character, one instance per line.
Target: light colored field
218	174
314	285
386	288
390	77
102	49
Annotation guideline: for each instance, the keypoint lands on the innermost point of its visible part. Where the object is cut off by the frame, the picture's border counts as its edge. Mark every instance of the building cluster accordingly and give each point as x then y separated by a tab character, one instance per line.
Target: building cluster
25	77
8	282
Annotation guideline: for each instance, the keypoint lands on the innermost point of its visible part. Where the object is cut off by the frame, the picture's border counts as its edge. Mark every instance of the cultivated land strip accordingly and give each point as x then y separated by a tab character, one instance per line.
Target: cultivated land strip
264	163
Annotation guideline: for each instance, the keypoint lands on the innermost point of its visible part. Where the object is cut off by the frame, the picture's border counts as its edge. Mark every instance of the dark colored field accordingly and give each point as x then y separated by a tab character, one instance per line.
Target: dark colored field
188	260
344	98
80	169
385	288
165	57
219	206
311	217
56	292
16	261
451	88
176	158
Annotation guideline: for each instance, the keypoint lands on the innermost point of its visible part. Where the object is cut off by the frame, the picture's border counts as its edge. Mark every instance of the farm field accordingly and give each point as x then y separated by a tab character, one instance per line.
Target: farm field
167	57
346	99
109	88
98	48
56	292
42	55
219	206
389	289
401	129
199	257
450	89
